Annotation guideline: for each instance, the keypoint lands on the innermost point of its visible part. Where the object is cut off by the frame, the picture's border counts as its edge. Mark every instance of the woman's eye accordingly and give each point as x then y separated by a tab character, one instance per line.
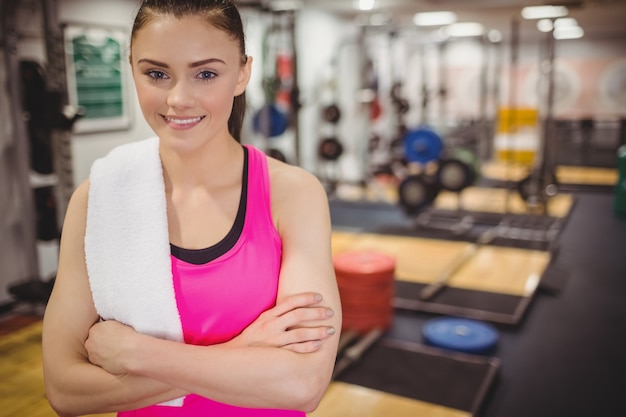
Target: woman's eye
156	75
207	75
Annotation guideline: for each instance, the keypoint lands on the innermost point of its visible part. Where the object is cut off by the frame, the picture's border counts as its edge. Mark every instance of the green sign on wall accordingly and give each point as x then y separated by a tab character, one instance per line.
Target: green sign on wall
96	77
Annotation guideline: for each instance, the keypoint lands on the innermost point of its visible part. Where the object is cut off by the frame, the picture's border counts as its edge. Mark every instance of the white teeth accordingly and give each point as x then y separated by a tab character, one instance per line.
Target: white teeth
183	121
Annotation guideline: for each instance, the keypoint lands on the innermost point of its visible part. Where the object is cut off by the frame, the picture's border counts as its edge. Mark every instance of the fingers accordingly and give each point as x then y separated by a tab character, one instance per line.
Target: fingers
305	347
298	321
297	301
308	340
303	317
306	334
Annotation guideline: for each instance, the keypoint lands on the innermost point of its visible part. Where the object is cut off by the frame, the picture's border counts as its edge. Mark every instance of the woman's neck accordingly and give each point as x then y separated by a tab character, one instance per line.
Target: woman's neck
217	164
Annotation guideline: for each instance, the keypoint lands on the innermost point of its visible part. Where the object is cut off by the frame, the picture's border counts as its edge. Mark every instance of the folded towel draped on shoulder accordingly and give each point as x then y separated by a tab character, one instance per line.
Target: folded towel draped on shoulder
127	247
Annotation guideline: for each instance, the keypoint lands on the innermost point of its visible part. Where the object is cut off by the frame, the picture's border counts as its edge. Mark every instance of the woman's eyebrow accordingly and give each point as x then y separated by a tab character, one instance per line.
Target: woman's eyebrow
153	62
191	65
206	61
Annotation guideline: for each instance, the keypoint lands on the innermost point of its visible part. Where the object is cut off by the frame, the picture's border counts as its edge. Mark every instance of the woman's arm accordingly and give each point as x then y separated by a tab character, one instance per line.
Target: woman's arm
251	374
74	386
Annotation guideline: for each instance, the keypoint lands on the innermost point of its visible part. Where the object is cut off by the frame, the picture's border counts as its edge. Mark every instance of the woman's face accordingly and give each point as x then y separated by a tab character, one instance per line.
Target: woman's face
187	74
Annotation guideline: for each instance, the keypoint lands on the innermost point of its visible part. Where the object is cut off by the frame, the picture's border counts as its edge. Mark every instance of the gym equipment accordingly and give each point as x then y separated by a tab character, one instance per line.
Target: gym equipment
330	149
370	84
458	170
417	191
461	335
19	211
455	175
422	145
331	113
366	286
270	121
400	103
33	86
537	188
46	209
279	82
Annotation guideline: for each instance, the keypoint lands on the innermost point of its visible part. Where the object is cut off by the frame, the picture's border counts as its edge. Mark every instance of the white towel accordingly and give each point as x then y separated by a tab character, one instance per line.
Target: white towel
127	247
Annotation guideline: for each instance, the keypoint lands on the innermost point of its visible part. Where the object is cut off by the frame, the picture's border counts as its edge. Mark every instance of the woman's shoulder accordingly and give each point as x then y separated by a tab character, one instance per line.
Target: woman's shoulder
297	195
82	191
286	179
80	196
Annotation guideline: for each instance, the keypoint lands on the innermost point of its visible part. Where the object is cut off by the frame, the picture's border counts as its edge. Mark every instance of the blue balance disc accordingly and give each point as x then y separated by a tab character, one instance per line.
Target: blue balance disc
461	335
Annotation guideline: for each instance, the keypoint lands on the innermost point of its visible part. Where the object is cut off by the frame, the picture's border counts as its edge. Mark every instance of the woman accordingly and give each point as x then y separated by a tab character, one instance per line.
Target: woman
250	250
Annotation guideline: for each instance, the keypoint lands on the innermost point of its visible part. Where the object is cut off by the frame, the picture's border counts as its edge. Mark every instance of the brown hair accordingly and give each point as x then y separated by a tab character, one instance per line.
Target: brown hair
222	14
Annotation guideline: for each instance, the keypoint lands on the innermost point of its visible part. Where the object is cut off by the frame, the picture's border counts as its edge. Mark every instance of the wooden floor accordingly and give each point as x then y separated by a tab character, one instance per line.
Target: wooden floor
22	391
493	269
566	174
346	400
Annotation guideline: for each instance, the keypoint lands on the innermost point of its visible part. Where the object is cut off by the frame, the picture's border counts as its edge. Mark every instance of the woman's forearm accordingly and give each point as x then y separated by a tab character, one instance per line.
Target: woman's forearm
259	377
84	388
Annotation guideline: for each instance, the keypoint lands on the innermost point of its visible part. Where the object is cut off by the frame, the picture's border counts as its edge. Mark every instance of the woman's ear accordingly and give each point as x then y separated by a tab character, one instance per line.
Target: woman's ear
244	76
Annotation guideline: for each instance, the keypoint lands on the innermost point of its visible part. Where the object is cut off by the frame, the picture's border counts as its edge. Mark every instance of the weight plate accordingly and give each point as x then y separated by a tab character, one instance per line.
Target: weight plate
422	145
270	121
330	149
331	113
455	175
416	192
460	334
535	186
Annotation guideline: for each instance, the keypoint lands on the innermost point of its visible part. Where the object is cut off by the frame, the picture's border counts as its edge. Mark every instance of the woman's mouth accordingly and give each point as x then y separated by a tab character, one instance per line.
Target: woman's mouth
182	122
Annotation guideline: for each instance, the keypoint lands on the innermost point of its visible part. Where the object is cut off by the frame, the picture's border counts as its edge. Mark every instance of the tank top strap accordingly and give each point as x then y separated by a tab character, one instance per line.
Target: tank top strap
259	210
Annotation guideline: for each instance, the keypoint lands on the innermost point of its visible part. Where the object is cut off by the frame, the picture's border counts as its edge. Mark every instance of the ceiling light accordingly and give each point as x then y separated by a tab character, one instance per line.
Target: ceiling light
494	36
543	12
365	4
545	25
434	18
464	29
568	32
565	22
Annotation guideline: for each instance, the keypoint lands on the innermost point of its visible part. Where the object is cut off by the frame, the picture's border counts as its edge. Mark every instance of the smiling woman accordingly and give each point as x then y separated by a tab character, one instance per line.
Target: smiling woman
180	87
195	274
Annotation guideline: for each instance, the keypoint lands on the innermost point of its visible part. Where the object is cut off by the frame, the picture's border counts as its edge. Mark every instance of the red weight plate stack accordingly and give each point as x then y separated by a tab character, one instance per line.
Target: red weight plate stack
366	287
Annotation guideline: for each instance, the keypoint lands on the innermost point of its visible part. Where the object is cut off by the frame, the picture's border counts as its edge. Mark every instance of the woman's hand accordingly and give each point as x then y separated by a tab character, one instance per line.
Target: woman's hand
106	344
296	324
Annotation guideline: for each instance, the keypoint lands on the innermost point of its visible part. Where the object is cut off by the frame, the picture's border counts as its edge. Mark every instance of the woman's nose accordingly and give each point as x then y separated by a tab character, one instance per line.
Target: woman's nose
181	95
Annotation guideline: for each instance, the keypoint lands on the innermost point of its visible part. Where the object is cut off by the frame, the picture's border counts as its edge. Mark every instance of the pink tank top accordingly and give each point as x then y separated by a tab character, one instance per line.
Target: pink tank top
218	298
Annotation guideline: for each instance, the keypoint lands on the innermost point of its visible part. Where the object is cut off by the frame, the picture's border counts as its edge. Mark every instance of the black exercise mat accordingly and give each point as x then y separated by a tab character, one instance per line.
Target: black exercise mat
531	231
424	373
481	305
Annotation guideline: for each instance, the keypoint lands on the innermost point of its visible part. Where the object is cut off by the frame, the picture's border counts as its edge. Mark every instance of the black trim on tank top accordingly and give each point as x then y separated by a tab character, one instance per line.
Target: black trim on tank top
206	255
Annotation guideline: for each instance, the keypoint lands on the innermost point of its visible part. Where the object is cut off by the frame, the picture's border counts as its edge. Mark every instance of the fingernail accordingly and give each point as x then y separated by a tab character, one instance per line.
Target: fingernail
329	312
318	297
330	330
